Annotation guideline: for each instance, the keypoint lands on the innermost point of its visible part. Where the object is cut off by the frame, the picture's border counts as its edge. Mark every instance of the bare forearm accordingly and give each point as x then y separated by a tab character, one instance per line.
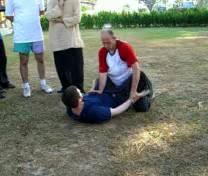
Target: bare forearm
135	81
135	78
123	107
102	81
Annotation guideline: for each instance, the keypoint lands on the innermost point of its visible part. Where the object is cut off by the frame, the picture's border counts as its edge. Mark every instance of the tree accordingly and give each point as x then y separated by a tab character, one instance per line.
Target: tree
202	3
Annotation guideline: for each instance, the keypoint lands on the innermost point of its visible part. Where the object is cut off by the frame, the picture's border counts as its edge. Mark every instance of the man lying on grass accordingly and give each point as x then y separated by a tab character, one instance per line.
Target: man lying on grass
94	108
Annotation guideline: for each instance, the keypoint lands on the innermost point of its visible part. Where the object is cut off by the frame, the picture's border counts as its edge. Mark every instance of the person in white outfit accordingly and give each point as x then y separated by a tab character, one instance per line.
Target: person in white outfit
28	37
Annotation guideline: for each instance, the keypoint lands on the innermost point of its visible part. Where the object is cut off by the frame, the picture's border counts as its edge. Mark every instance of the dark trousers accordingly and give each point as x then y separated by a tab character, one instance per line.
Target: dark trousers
69	66
121	93
4	81
143	104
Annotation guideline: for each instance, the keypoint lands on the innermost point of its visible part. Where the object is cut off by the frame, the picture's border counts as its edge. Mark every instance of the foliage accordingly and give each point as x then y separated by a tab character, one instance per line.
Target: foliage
202	3
173	17
44	23
170	18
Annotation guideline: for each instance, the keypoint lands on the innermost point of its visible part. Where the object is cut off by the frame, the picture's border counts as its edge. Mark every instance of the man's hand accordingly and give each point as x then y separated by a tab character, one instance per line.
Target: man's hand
11	18
134	96
61	3
57	20
94	92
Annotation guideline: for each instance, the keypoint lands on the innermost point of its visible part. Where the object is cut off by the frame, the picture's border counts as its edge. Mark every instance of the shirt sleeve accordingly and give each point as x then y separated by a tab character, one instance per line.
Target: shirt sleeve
103	67
53	13
76	18
42	5
71	115
9	8
129	55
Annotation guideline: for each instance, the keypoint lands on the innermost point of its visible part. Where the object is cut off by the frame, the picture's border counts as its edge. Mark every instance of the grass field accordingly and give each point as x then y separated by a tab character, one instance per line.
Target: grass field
38	139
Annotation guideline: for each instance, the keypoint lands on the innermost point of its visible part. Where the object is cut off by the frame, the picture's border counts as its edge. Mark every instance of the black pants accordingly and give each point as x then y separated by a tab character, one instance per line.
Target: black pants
4	81
143	104
69	66
122	93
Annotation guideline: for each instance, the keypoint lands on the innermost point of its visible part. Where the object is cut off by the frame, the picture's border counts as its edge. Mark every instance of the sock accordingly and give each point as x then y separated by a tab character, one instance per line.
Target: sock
42	82
26	85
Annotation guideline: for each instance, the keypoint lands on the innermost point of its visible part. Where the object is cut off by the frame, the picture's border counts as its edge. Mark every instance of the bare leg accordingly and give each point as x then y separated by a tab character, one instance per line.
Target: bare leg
24	58
40	65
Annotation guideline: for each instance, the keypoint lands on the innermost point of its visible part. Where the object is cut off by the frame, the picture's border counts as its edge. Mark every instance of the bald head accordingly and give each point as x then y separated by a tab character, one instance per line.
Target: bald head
109	39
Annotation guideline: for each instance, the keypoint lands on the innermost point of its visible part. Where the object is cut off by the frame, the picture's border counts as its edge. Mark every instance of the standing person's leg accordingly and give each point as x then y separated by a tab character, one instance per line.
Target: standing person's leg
38	49
78	68
4	81
63	65
24	50
144	103
40	65
24	58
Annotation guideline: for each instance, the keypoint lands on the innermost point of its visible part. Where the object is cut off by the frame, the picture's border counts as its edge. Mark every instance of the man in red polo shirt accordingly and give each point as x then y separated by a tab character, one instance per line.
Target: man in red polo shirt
120	73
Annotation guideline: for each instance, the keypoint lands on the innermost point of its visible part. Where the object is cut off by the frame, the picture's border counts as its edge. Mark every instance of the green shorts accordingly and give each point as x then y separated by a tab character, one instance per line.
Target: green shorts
26	48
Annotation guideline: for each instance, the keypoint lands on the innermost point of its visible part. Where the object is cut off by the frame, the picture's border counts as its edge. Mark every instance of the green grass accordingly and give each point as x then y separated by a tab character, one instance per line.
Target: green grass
37	137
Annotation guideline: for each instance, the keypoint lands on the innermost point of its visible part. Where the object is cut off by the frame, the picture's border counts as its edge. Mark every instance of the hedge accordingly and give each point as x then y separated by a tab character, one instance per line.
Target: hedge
170	18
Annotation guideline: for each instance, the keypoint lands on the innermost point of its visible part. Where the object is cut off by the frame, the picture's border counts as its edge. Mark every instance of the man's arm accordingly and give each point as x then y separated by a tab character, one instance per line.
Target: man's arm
76	18
9	10
42	13
135	81
102	83
123	107
10	18
41	7
54	13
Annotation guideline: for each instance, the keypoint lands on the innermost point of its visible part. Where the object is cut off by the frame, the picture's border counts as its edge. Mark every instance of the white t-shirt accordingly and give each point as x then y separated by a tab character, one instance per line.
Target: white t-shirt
118	70
26	14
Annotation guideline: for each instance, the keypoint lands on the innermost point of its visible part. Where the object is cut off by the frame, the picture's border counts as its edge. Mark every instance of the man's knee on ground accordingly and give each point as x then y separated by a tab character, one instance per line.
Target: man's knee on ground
142	105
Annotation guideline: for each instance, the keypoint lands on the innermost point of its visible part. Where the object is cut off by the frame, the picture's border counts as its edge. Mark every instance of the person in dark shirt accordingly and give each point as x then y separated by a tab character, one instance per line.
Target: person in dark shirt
93	108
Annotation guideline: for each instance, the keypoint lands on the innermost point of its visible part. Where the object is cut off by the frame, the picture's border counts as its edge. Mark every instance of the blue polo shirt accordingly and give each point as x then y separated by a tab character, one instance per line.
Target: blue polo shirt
96	109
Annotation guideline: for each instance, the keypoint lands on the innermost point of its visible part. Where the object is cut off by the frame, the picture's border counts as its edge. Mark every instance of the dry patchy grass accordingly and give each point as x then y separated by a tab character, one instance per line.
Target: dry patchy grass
37	137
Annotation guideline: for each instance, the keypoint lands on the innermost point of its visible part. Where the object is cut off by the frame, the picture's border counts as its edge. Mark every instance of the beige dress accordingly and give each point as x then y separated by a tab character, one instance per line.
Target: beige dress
64	22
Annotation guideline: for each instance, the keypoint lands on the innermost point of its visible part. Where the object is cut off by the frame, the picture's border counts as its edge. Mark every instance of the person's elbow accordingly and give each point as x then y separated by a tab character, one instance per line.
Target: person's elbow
136	67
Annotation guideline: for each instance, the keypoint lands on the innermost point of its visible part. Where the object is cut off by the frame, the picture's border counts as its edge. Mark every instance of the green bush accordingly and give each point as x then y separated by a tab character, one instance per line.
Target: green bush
170	18
44	23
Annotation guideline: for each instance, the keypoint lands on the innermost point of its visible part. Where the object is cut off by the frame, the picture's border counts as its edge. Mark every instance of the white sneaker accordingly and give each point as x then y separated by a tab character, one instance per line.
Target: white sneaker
46	89
26	92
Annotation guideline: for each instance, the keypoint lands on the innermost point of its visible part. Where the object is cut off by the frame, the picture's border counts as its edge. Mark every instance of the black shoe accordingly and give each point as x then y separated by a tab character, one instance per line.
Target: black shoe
2	96
2	90
9	86
61	90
